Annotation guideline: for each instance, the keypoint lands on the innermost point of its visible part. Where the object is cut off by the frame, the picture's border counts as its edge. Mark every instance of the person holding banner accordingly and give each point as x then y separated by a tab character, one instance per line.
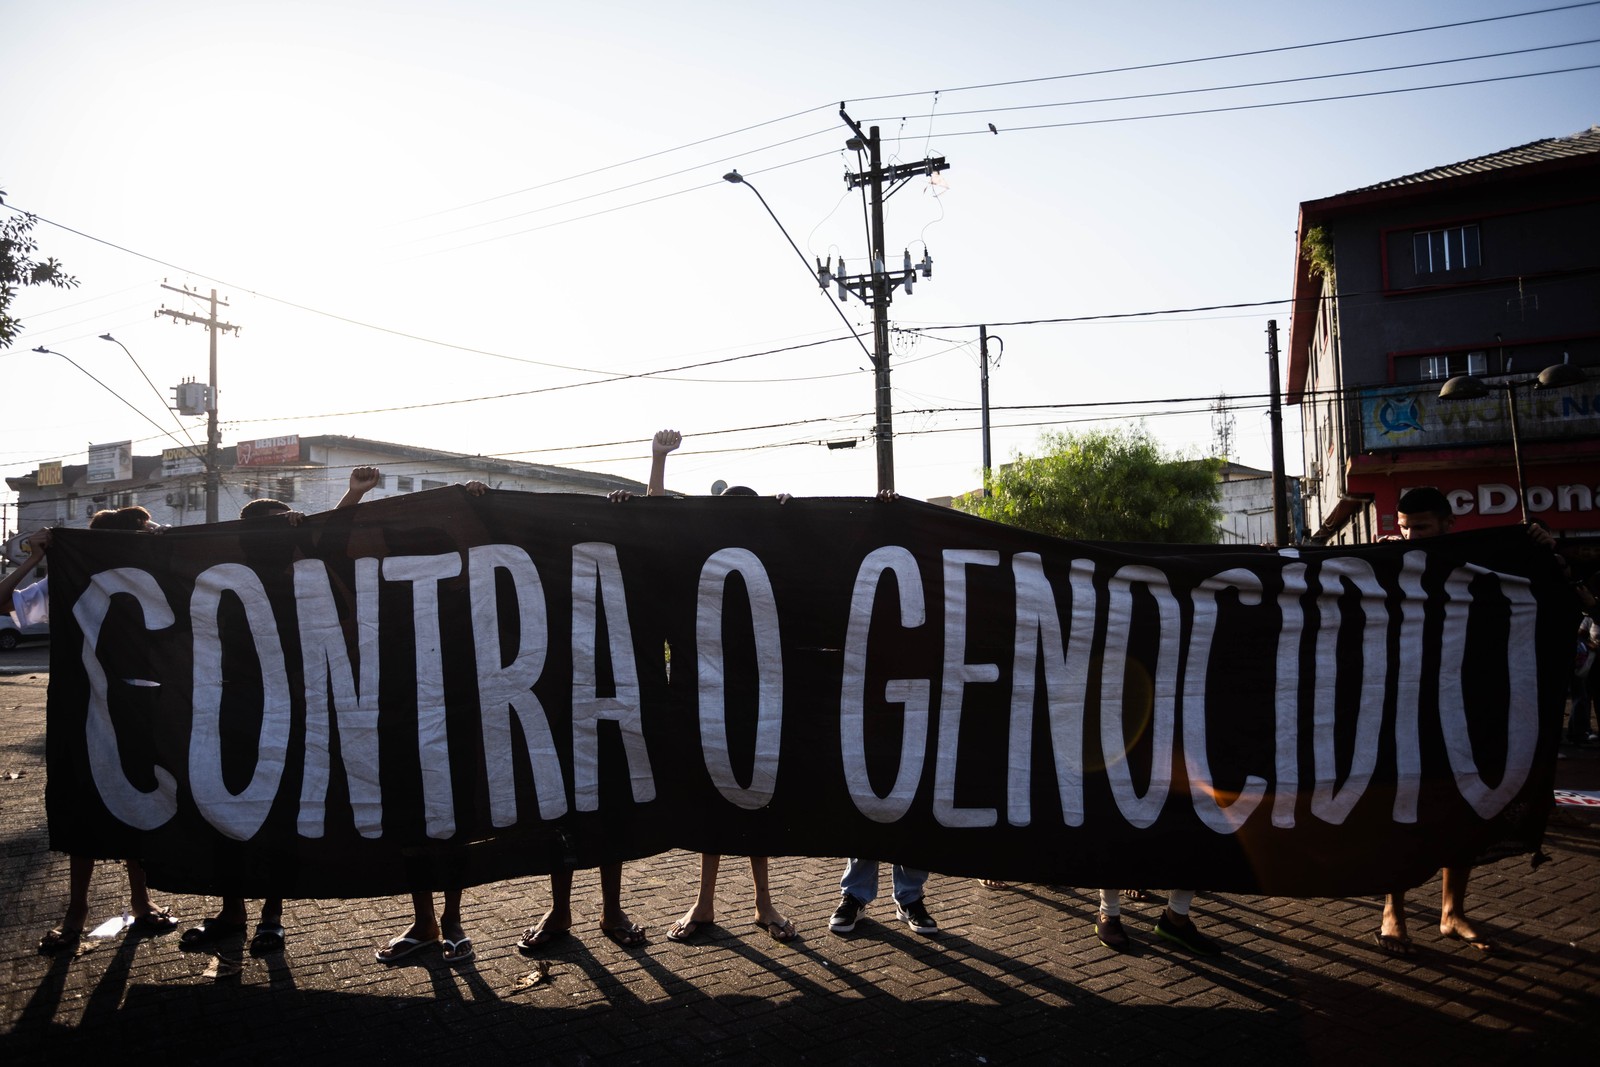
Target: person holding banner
426	929
32	605
1422	513
703	913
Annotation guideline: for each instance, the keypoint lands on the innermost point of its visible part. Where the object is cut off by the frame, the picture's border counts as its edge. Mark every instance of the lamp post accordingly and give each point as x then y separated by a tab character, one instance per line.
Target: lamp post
1469	387
884	433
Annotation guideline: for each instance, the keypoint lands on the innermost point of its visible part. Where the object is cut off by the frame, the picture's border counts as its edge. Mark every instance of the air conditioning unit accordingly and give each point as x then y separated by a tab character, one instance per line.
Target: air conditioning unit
174	500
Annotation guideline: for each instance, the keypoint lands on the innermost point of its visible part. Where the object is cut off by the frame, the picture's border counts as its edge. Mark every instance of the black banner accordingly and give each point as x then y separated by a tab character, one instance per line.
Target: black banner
442	689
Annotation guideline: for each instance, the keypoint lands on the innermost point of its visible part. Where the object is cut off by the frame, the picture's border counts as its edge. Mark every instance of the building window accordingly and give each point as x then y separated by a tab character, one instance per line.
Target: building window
1452	248
1437	368
402	483
429	483
284	489
72	505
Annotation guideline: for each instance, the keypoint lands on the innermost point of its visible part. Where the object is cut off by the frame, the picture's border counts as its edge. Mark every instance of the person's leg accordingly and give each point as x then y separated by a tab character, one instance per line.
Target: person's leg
557	921
1392	936
908	883
268	938
65	938
1176	926
909	905
768	917
423	931
614	922
79	870
857	888
1578	713
1108	924
457	945
1453	921
860	880
704	909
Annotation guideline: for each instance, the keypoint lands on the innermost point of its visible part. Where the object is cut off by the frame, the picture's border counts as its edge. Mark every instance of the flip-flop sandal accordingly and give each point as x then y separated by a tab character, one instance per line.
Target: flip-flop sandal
267	940
993	883
157	921
536	937
58	942
459	951
1484	946
402	947
779	931
630	936
1400	947
208	933
684	930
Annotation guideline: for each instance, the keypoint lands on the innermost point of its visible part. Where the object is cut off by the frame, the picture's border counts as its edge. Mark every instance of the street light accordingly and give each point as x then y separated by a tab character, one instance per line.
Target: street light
883	431
1468	387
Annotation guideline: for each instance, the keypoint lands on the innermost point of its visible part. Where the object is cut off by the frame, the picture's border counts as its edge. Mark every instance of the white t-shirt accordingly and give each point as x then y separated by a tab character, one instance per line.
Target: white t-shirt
31	603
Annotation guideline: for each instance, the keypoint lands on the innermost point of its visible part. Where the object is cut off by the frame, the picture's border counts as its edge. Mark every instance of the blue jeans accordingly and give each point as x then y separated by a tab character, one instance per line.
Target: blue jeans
861	881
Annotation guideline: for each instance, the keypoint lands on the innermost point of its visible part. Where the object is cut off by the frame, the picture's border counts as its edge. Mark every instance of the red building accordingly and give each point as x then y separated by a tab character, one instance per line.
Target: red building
1488	268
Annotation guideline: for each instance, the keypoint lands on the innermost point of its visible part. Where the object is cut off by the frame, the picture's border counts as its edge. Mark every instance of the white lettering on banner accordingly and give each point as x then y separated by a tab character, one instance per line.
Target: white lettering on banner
424	573
354	712
506	689
236	815
713	677
1066	679
1224	818
1408	690
956	675
910	693
1330	801
139	809
1286	694
1522	714
1158	714
594	564
1341	599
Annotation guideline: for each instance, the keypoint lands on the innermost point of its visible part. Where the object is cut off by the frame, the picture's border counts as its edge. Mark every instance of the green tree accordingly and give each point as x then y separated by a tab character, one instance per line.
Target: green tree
1106	485
18	268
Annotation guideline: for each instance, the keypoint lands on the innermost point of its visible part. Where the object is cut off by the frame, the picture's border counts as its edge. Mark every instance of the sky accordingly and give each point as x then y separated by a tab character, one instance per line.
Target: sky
501	229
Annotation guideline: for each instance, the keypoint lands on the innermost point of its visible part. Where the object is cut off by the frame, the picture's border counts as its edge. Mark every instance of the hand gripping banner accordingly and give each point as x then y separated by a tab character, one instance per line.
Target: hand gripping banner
442	690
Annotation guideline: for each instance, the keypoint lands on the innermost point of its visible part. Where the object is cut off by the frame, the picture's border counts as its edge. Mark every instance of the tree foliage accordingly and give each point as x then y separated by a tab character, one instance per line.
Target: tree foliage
19	267
1102	485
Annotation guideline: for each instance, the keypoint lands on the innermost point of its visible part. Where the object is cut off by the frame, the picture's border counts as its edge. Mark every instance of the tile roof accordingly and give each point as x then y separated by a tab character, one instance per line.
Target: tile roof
1583	143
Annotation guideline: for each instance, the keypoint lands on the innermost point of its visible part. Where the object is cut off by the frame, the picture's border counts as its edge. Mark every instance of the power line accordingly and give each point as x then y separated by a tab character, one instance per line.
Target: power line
1257	84
1193	60
1276	103
1234	55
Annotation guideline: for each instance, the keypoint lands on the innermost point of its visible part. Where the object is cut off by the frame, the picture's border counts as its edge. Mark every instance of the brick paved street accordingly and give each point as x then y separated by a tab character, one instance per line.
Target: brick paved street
1016	976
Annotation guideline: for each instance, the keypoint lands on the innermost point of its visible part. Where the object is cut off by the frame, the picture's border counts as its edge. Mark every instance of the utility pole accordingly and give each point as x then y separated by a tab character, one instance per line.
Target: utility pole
213	434
983	392
877	285
1280	506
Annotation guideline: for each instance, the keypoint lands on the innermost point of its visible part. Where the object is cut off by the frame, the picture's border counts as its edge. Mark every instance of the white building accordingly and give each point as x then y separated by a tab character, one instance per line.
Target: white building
309	474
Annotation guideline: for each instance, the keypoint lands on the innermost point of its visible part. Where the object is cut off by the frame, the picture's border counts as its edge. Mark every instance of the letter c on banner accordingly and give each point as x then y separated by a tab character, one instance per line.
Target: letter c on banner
1223	818
238	815
910	693
713	677
140	810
